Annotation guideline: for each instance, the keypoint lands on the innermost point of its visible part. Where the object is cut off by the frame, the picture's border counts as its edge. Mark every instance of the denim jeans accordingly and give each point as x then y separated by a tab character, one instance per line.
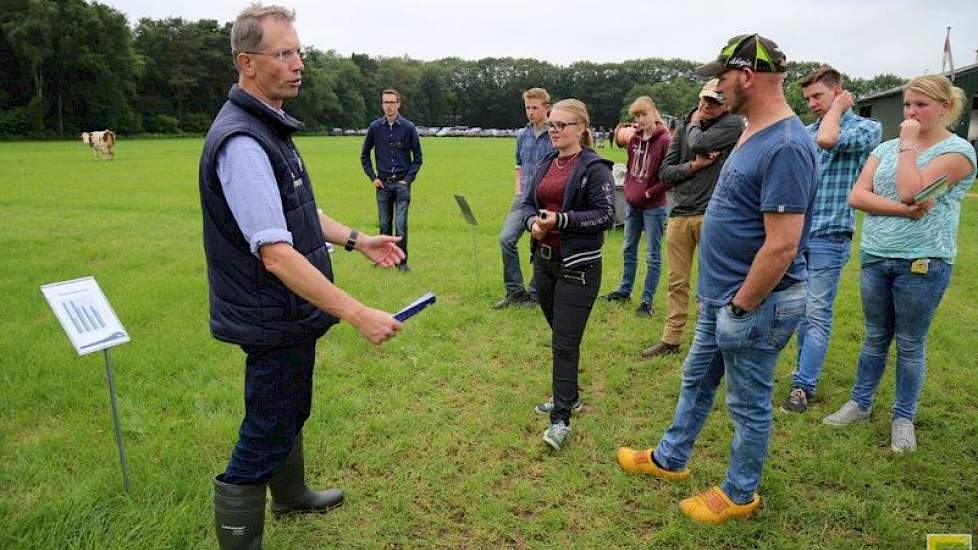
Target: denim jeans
566	297
898	304
747	349
826	257
513	229
653	222
278	399
392	211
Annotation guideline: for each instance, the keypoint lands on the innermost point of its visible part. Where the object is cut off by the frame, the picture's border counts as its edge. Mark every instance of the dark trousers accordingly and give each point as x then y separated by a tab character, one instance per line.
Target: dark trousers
566	297
278	398
392	211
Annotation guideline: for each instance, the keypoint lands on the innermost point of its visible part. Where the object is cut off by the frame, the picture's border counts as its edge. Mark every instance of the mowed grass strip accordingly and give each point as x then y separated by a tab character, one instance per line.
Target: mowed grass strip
432	435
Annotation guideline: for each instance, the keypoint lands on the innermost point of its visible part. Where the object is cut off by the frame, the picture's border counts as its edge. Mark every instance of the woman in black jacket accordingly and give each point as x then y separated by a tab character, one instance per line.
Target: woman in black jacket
567	209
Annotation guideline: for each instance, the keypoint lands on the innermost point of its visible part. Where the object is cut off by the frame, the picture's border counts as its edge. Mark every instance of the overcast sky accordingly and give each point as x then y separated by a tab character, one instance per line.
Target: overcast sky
861	38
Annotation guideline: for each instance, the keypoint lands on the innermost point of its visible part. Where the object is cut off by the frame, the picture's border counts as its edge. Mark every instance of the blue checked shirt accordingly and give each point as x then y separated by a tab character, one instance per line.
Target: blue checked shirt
839	167
530	150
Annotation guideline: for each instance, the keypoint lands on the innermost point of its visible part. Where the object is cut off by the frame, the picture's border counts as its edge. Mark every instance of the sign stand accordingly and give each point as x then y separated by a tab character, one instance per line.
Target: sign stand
90	323
463	205
115	420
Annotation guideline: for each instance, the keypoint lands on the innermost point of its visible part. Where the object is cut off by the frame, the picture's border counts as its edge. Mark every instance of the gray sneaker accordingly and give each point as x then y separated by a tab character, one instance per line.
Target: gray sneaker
849	413
902	436
548	406
797	401
556	435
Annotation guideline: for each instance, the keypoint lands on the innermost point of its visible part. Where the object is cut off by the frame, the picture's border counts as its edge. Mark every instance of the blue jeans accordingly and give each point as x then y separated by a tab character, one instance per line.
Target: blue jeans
897	304
392	211
653	222
826	257
747	348
509	236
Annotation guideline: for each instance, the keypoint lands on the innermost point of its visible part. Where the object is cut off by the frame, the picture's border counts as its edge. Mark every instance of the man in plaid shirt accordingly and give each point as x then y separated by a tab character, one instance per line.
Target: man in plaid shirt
844	142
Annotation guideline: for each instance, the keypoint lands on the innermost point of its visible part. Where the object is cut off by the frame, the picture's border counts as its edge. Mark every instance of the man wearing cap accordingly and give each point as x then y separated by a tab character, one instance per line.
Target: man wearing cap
752	282
844	141
690	169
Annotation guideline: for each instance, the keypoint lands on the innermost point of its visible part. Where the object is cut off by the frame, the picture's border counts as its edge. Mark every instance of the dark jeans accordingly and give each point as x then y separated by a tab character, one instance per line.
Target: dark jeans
278	399
392	211
566	297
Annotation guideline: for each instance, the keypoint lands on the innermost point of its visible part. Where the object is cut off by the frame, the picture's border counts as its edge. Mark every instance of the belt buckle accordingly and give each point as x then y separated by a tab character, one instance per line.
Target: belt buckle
546	252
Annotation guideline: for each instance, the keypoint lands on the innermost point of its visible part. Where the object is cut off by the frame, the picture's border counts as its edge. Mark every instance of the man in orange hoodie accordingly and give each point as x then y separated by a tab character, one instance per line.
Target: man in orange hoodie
645	198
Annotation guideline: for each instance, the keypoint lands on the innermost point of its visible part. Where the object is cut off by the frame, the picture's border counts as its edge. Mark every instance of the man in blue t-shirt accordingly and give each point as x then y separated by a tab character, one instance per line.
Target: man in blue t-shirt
752	281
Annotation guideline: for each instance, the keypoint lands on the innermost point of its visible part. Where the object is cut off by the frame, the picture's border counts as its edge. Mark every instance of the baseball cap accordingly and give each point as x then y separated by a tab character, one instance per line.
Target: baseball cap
710	90
747	51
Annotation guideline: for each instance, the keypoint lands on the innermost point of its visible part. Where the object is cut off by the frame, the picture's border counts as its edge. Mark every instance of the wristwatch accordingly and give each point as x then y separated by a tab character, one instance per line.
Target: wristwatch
736	310
351	241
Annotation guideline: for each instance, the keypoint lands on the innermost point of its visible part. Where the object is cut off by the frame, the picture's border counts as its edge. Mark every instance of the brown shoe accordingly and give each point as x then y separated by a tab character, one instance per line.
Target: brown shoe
660	349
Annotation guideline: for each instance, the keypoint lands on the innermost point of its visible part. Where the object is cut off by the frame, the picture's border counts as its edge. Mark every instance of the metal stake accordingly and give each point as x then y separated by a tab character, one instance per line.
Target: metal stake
115	420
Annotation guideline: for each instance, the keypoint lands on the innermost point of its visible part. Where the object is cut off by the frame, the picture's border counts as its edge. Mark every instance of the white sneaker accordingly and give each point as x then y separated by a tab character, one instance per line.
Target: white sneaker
849	413
902	436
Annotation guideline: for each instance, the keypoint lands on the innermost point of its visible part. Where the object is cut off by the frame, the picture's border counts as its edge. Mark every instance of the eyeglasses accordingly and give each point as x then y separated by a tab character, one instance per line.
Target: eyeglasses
559	126
284	56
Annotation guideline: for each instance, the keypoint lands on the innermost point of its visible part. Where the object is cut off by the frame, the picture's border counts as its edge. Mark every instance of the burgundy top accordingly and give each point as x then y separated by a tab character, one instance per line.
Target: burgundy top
550	194
644	159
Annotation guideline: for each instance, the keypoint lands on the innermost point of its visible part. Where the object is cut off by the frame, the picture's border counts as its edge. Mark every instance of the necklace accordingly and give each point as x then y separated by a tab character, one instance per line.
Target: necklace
567	159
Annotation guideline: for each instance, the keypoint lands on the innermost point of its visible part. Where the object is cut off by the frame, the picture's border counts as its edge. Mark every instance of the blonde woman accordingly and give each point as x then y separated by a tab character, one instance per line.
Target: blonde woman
567	208
645	203
907	249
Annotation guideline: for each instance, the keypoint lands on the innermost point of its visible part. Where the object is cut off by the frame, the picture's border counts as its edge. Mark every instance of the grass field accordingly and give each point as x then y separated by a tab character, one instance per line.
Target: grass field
432	435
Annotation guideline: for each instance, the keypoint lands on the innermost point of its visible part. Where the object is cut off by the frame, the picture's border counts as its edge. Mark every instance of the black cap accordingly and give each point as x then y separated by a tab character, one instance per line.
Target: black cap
747	51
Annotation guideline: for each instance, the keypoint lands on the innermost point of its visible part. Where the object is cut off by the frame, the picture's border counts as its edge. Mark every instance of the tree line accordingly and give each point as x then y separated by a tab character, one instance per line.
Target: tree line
71	66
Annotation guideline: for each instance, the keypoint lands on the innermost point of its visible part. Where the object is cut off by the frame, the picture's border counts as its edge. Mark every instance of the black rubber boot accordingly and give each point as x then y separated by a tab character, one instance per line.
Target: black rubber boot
239	515
290	493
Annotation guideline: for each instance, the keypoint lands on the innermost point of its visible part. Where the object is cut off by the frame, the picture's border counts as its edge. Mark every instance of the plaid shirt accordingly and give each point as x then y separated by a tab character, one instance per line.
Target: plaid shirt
839	167
530	150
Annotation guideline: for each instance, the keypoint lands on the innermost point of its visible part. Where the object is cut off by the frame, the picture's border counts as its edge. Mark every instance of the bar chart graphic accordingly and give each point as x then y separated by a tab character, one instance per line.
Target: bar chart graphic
85	314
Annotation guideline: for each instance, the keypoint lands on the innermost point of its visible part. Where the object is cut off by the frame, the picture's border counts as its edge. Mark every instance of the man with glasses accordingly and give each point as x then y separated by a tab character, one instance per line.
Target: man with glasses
752	282
270	276
532	145
397	150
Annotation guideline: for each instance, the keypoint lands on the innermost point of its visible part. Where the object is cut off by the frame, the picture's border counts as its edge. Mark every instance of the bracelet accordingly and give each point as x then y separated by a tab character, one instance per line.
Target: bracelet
351	241
907	147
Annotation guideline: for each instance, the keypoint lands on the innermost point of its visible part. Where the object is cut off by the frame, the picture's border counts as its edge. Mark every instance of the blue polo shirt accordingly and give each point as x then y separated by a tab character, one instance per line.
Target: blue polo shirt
773	171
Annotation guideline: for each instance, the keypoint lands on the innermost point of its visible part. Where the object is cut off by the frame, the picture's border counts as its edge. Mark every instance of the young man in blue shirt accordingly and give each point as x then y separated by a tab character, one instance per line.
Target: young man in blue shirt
751	283
532	144
397	150
844	141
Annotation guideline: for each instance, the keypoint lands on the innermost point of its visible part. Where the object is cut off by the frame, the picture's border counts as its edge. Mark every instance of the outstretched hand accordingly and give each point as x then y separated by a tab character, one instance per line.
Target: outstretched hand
381	249
374	325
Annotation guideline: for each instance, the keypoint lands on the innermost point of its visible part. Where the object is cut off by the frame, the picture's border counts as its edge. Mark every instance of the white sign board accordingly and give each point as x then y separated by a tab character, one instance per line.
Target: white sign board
85	315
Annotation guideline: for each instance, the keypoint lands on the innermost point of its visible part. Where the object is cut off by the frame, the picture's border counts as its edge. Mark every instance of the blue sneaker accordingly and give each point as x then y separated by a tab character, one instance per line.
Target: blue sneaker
556	435
548	406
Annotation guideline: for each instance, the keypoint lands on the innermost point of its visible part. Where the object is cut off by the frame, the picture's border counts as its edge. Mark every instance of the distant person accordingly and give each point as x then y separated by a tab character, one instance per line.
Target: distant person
567	208
270	276
690	170
907	248
751	284
532	145
844	141
397	150
645	204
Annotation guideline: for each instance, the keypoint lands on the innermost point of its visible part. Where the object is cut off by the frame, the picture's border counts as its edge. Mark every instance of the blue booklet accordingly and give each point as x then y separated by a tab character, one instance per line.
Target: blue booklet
414	307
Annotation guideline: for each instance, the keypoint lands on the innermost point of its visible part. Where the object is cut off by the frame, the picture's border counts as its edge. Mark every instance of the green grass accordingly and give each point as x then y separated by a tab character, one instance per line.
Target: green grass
432	435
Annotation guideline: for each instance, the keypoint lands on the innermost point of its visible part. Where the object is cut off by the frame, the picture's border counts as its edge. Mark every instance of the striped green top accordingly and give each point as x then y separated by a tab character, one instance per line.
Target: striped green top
933	236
